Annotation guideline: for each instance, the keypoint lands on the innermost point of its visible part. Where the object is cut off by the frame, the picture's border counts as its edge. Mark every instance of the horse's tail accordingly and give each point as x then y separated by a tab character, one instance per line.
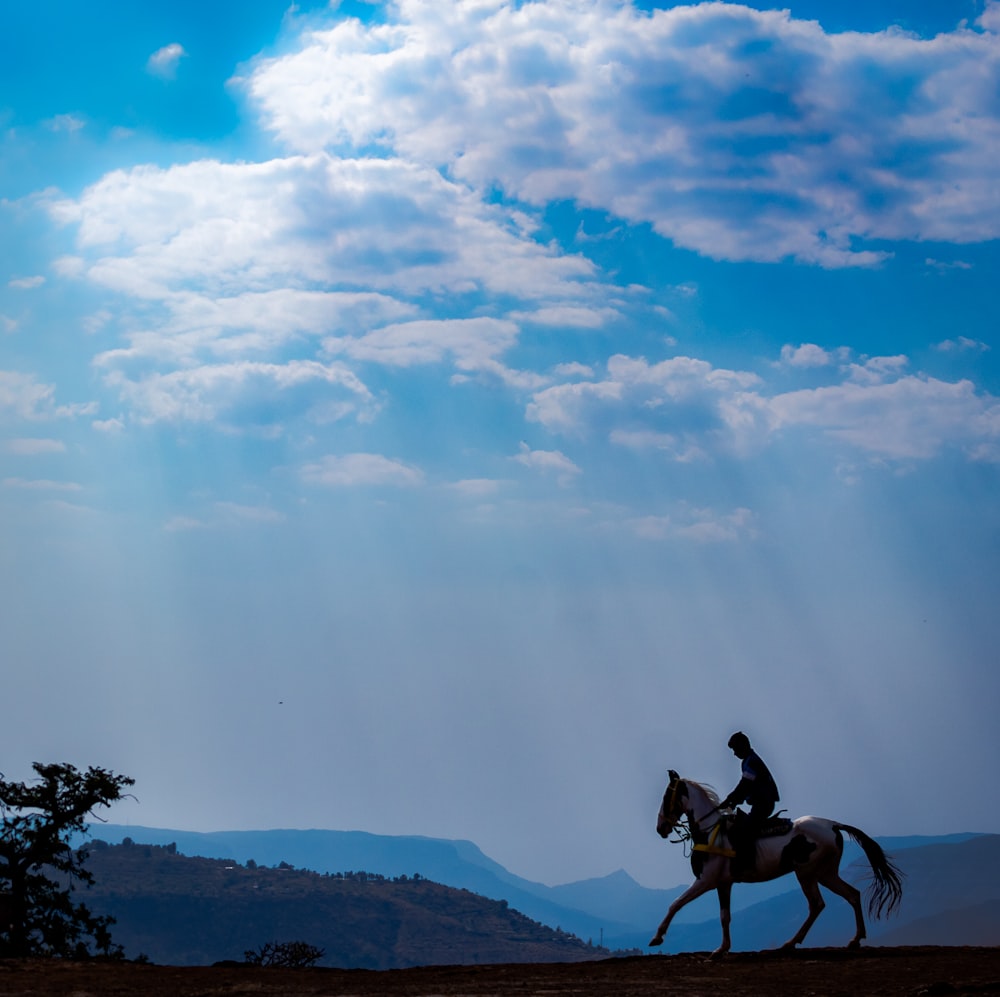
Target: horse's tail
886	888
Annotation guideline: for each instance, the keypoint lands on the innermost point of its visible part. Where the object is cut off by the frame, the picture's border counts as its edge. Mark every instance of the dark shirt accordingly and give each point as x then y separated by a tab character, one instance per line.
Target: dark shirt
757	787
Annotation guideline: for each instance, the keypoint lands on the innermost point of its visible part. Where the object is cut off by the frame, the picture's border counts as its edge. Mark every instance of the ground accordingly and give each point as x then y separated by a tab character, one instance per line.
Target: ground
886	972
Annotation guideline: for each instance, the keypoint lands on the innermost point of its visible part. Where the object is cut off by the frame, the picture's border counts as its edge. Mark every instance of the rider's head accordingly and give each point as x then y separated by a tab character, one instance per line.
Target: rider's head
740	744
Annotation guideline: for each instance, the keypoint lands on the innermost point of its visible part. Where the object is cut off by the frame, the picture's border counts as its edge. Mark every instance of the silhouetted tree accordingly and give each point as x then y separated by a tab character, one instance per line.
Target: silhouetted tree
38	867
284	955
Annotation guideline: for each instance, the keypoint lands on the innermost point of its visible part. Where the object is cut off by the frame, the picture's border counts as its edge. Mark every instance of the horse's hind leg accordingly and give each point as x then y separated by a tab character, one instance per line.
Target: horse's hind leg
810	887
835	884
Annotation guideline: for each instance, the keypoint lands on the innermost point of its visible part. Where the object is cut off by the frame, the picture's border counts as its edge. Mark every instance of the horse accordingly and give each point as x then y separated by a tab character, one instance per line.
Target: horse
812	848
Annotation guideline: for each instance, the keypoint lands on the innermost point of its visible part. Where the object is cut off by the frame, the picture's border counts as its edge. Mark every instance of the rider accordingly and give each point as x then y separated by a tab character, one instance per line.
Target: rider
756	787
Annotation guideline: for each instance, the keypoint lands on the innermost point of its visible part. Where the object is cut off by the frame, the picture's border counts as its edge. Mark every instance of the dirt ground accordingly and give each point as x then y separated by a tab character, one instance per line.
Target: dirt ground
914	972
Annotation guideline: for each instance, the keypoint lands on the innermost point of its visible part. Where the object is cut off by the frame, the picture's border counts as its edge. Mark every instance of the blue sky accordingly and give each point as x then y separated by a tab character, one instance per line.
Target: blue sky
443	419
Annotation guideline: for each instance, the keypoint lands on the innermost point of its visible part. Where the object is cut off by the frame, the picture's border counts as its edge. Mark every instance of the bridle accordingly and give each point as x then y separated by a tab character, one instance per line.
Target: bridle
670	810
674	815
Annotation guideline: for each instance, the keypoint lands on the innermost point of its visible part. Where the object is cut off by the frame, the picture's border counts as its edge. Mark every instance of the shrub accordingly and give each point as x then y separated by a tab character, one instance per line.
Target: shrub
284	955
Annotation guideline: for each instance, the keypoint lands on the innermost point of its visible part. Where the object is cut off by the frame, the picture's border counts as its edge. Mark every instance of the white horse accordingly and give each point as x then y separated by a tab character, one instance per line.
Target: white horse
812	849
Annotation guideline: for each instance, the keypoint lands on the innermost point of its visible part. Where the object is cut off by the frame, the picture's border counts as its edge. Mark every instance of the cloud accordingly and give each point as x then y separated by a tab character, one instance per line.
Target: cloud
259	293
361	470
34	447
568	316
239	514
70	123
650	439
909	418
473	343
26	283
108	425
962	344
742	134
97	321
548	462
163	62
573	369
223	515
699	525
686	409
183	524
683	397
313	256
382	226
42	485
806	355
246	392
68	266
876	370
22	396
475	488
197	327
944	265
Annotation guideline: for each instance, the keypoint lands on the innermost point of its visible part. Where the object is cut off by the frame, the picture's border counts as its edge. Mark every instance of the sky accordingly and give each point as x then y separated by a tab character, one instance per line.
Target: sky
444	419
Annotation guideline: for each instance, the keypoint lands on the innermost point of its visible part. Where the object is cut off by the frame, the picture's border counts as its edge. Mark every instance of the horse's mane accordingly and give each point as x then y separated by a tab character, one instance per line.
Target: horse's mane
712	795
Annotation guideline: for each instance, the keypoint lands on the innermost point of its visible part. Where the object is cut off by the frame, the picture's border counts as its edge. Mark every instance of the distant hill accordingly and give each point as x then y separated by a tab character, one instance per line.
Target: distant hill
460	864
615	909
974	924
180	910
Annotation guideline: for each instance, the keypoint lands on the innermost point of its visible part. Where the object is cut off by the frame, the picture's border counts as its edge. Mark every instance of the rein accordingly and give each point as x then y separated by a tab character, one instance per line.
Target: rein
710	846
692	830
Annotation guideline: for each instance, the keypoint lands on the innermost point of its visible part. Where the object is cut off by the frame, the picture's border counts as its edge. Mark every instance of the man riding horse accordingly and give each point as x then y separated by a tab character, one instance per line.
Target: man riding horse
756	787
810	847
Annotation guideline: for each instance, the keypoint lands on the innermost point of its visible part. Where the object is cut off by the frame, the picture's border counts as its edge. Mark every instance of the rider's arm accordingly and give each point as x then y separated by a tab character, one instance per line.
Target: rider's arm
738	795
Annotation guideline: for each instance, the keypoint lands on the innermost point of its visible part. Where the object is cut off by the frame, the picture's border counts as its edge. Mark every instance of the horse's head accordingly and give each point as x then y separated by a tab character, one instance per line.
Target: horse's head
673	806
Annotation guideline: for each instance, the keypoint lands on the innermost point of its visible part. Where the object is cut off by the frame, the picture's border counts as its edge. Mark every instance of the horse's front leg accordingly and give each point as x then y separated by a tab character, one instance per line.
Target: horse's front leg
695	890
725	892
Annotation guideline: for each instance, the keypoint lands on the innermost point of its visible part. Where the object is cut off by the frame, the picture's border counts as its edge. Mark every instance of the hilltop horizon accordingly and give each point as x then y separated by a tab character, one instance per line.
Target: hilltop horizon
944	877
244	837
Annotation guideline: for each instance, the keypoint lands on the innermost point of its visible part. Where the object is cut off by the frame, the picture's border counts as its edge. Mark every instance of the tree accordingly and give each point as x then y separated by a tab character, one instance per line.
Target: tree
284	955
39	869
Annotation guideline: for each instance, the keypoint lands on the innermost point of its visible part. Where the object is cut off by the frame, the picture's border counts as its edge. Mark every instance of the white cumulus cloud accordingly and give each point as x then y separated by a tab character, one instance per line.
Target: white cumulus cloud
739	133
163	62
549	462
685	409
806	355
23	396
30	447
361	469
254	390
26	283
907	418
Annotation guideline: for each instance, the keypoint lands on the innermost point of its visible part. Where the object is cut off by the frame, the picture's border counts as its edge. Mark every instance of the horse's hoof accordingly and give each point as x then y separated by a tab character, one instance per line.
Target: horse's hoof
854	943
718	954
789	946
657	940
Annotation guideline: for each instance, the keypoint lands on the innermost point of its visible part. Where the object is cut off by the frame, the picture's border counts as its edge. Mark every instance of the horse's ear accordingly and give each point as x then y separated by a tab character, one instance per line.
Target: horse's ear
673	775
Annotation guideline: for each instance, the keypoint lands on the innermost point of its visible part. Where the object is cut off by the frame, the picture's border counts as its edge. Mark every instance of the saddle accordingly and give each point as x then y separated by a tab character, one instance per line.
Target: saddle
745	840
775	826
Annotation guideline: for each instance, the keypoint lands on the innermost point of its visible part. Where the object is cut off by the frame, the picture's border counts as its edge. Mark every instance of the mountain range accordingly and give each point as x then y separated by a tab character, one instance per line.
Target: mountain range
180	910
951	887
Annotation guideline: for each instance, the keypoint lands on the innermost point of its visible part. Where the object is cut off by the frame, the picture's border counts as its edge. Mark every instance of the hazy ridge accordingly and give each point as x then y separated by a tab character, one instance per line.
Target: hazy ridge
951	880
181	910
